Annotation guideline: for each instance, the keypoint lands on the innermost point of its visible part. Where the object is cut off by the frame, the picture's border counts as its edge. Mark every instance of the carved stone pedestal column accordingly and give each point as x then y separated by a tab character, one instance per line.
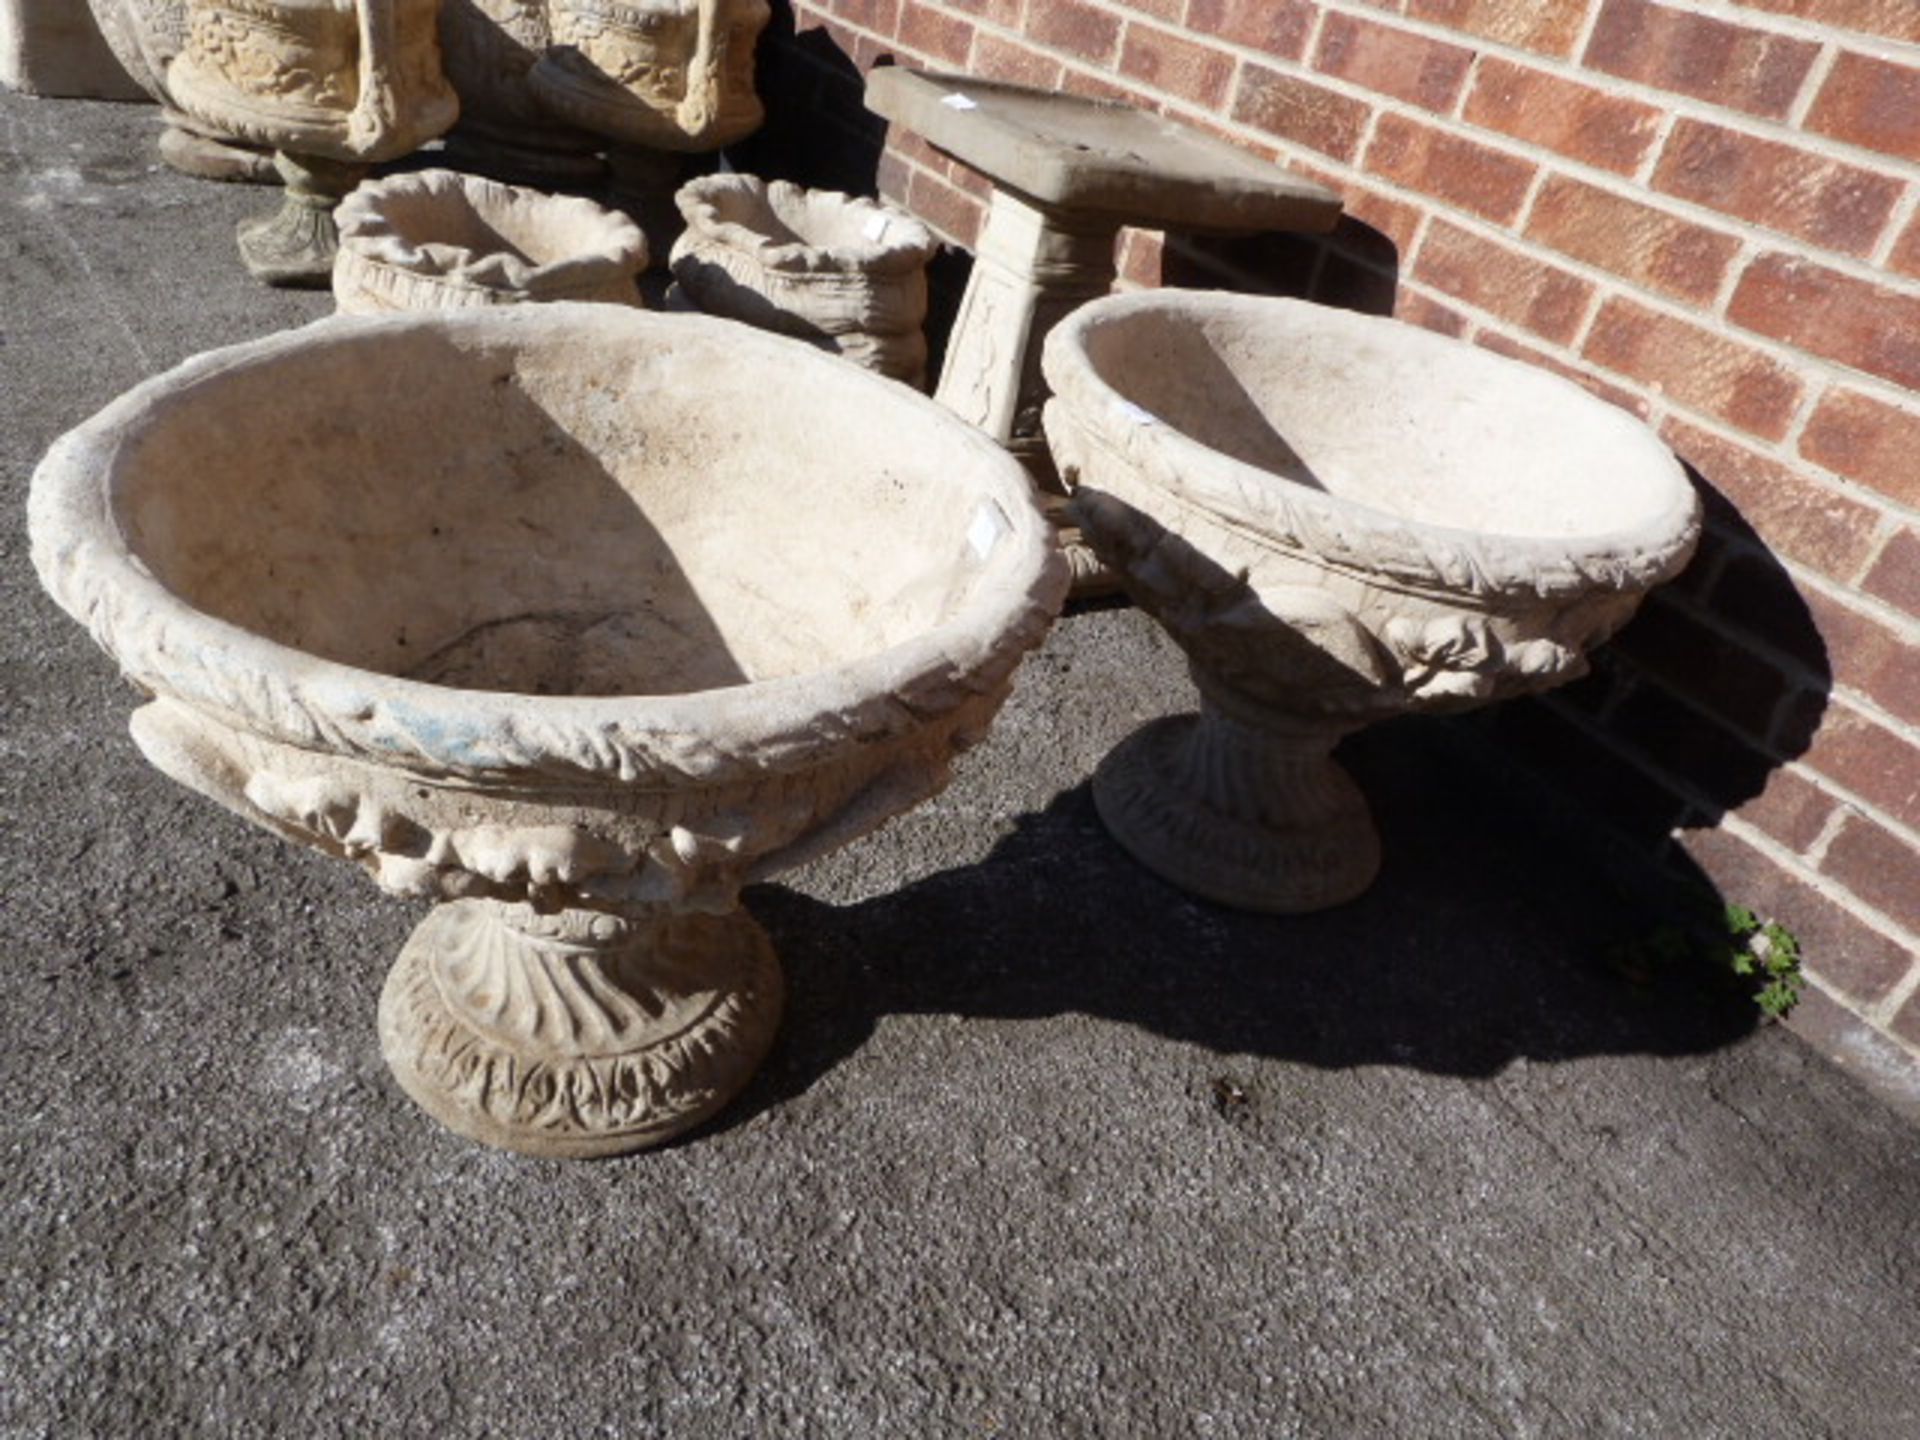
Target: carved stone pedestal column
1034	267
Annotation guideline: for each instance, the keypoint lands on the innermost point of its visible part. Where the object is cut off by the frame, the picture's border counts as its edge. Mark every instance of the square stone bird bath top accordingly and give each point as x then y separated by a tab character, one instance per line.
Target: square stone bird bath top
1100	157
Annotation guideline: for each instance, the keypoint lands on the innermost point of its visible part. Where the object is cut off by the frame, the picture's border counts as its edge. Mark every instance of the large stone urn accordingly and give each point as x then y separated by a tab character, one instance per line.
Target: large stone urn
332	86
437	240
1339	518
547	84
609	614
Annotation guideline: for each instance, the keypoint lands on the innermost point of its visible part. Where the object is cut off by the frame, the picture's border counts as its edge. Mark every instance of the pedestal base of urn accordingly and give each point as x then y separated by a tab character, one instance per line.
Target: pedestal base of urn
185	149
295	246
1242	816
580	1033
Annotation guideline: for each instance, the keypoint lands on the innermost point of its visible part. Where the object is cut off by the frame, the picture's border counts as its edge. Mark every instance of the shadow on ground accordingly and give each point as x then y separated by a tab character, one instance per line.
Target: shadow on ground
1482	942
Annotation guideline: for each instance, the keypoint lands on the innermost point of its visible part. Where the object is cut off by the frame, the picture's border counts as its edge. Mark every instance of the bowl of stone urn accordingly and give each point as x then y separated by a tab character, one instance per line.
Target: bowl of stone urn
1339	518
846	274
332	87
608	614
437	240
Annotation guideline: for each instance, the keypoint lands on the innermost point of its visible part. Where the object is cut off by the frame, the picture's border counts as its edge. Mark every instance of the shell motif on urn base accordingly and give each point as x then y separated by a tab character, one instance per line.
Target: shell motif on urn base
581	1033
1339	518
664	608
332	86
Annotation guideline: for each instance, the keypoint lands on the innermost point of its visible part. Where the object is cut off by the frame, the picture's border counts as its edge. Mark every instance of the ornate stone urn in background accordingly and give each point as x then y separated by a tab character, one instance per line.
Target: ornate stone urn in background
1339	518
489	48
848	275
614	613
436	240
334	86
545	85
660	80
144	36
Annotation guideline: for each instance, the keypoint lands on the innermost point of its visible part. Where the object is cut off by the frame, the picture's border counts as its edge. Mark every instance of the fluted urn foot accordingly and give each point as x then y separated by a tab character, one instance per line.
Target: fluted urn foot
1254	818
579	1033
294	247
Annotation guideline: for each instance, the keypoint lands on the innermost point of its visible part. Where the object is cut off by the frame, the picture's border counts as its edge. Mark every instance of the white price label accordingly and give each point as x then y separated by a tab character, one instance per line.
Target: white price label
989	524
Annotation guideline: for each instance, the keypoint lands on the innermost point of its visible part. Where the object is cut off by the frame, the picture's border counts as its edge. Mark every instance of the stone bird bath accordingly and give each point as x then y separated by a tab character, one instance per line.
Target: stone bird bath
607	615
1339	518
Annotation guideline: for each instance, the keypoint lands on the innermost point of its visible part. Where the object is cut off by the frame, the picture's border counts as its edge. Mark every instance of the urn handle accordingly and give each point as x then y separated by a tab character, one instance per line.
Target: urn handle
376	115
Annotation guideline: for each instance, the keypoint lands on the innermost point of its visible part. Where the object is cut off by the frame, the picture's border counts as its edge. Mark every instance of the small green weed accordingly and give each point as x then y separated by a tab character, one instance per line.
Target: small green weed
1766	953
1760	955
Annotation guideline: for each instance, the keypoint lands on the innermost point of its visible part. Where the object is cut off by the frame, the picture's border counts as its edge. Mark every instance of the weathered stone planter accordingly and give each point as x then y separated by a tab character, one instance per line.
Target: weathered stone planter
332	87
435	240
607	614
845	274
1339	518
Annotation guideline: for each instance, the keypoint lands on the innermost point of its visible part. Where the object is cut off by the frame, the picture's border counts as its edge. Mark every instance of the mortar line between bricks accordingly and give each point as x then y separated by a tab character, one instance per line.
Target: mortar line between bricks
1802	416
1881	1014
1898	221
1587	26
1812	84
1663	129
1829	827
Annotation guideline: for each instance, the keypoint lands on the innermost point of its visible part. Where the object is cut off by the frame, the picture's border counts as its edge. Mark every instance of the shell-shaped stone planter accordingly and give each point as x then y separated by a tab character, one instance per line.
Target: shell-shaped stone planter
846	274
1339	518
571	619
437	240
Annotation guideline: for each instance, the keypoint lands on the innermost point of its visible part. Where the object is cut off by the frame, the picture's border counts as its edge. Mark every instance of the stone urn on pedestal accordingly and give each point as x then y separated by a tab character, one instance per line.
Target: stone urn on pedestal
848	275
333	86
662	607
437	240
1339	518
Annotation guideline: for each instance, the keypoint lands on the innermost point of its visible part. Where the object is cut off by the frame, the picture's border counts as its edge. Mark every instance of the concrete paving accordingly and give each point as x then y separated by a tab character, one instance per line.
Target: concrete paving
1045	1149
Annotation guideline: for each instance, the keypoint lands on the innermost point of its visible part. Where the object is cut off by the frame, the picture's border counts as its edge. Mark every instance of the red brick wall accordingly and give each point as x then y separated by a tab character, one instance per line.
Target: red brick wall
1708	211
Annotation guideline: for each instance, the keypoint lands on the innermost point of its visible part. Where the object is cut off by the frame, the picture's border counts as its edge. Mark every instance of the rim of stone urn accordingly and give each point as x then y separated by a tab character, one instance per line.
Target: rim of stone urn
368	233
1348	534
170	648
906	247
